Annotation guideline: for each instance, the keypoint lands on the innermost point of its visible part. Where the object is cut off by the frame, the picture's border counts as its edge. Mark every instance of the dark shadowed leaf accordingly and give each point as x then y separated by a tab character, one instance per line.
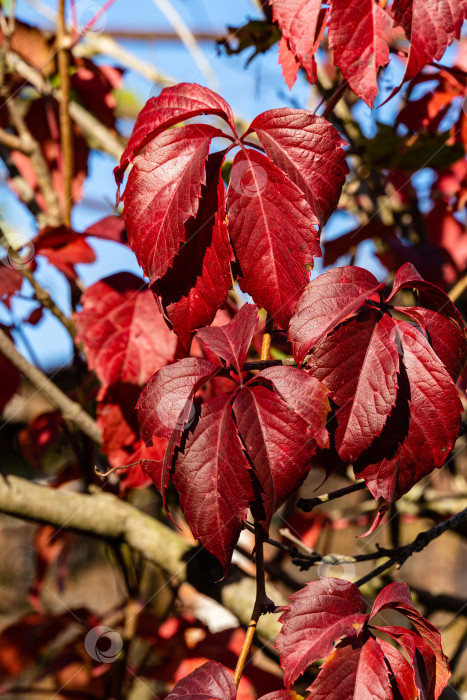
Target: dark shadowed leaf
279	445
196	286
213	481
359	364
211	681
231	342
306	395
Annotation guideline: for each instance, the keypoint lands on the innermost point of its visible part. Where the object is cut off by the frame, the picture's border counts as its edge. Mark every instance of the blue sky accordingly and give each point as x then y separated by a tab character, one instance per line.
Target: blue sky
249	91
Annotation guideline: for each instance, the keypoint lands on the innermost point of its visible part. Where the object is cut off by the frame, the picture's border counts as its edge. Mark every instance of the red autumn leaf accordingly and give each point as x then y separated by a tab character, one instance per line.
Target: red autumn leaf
396	596
305	394
446	231
124	335
428	294
110	228
359	363
211	681
271	227
353	671
213	481
327	619
278	443
299	22
289	63
309	151
231	342
401	672
165	406
11	281
416	439
63	248
326	301
356	32
165	403
196	286
173	105
318	617
163	192
447	340
430	26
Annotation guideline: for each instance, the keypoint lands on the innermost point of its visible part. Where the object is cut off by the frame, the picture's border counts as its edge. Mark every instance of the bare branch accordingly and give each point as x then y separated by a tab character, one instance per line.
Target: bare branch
70	410
105	516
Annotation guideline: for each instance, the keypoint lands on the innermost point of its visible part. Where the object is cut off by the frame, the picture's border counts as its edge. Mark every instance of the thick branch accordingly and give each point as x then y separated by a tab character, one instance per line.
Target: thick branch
70	410
105	516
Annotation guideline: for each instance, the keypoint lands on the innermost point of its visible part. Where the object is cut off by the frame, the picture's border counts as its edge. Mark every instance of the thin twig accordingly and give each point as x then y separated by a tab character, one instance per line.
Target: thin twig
262	605
38	162
91	127
458	289
70	410
267	335
307	504
44	298
66	134
421	541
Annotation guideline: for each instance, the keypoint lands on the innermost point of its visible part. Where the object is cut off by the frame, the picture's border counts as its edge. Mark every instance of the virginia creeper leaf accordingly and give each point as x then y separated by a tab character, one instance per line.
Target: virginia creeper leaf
353	672
278	444
173	105
272	230
359	363
309	150
162	193
401	673
430	26
165	402
298	20
356	34
447	339
305	394
196	286
289	63
212	478
423	426
317	618
124	335
428	294
231	342
211	681
326	301
11	281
